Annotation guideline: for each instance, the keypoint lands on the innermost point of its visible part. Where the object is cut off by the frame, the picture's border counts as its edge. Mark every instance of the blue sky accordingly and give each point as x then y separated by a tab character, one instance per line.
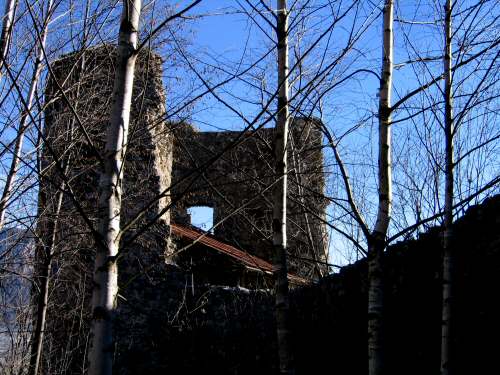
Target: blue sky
222	35
220	40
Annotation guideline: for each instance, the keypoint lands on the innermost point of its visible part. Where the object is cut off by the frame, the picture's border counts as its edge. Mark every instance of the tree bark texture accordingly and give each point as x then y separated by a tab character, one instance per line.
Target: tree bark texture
447	277
376	241
5	37
110	194
280	196
43	280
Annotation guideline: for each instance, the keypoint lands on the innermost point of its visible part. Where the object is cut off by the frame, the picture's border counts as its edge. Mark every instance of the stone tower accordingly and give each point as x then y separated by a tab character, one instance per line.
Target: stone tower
82	83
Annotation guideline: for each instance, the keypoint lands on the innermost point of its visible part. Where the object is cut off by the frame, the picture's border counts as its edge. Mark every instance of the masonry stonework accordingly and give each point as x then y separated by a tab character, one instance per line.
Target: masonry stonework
232	172
72	145
232	330
168	168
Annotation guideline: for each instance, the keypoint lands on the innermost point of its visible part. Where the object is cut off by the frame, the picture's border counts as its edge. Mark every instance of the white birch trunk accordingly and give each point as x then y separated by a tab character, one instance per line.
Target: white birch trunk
23	123
376	242
110	194
5	37
47	249
279	196
43	281
446	329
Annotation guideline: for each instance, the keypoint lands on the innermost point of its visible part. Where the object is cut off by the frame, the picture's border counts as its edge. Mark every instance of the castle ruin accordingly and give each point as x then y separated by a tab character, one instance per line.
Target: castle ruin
169	168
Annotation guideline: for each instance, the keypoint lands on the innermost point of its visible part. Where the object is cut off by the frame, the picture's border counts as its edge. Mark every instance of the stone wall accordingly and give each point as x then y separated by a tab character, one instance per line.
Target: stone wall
87	80
231	331
238	186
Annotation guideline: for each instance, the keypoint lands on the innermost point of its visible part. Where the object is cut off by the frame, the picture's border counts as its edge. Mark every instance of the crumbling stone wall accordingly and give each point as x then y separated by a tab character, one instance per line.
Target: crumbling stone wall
240	181
233	173
87	81
232	331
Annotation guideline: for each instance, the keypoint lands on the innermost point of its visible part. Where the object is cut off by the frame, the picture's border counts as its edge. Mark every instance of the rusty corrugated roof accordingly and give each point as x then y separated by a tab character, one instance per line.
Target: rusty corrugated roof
248	260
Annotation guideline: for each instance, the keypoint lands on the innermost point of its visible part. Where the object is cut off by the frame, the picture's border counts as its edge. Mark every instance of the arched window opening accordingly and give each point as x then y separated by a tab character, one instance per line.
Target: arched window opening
202	217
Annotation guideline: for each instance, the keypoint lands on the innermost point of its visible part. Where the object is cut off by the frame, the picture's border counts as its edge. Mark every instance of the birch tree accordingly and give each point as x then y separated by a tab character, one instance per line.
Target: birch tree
377	239
110	194
7	25
43	279
447	279
280	194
